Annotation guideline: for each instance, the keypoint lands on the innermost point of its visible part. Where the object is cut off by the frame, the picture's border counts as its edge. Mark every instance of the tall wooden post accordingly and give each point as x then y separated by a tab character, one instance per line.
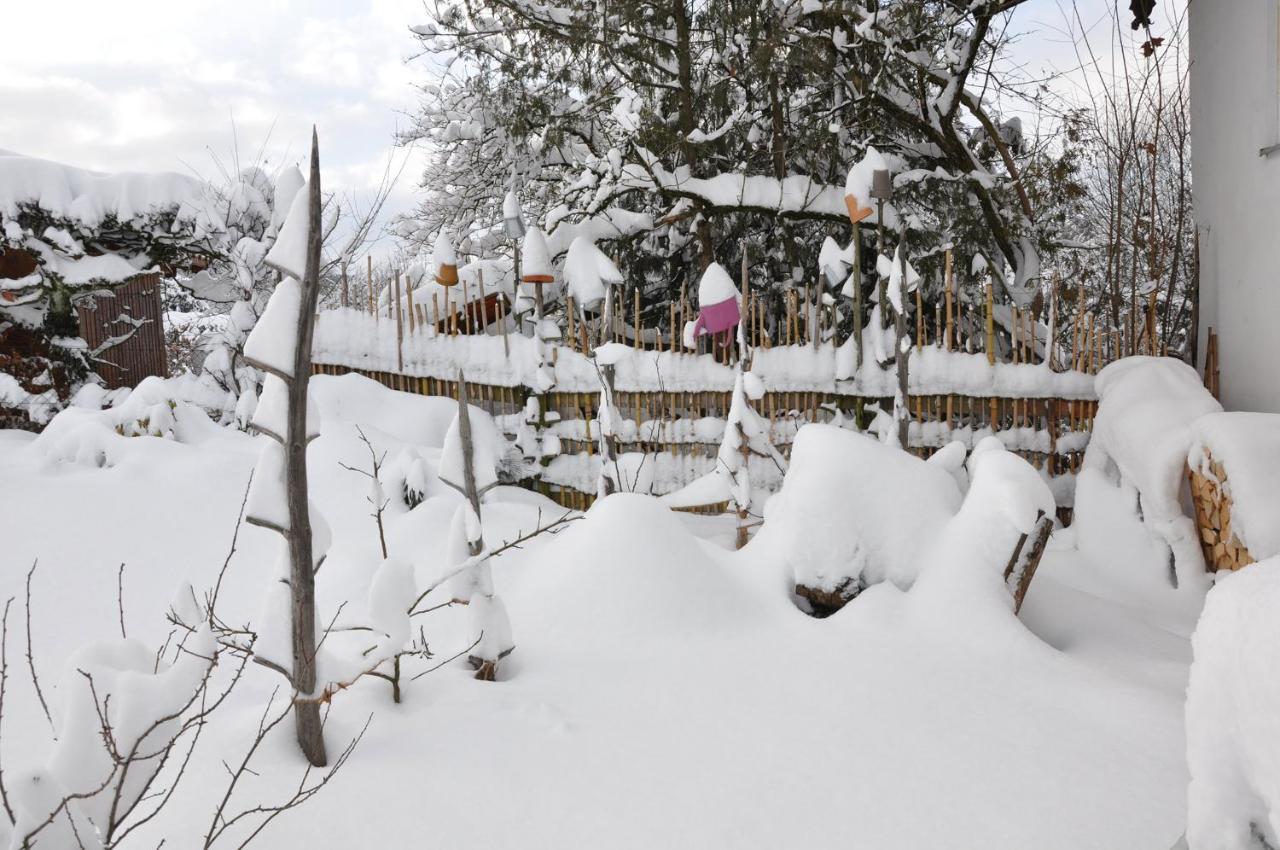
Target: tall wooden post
302	566
991	324
857	290
948	283
399	316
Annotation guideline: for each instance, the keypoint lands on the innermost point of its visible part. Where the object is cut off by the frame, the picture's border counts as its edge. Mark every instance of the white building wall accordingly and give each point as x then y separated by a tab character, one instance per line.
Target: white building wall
1235	113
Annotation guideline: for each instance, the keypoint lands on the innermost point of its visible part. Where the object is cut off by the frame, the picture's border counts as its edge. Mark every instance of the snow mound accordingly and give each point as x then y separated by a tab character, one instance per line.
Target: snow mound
410	418
964	572
1233	714
632	571
154	408
1131	488
1248	447
853	512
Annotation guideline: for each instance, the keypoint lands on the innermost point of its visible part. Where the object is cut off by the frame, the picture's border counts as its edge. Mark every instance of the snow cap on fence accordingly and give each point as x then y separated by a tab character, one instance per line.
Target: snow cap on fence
535	259
444	260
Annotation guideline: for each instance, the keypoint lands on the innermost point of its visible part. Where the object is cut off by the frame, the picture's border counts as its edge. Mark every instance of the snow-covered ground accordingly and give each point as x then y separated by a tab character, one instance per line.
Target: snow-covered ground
665	691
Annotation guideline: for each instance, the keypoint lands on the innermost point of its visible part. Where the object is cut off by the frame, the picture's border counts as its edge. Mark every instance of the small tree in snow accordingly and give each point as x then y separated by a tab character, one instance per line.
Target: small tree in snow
746	435
902	280
470	469
280	345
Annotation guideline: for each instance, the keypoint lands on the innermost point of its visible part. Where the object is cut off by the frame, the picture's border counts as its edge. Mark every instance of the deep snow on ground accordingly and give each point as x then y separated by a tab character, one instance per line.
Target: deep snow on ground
665	691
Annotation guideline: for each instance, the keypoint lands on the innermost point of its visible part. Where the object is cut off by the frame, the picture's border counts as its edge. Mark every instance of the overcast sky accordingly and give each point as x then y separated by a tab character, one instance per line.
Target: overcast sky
155	85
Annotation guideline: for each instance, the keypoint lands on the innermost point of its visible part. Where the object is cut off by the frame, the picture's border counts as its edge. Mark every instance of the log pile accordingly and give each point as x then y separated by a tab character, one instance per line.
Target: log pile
1212	498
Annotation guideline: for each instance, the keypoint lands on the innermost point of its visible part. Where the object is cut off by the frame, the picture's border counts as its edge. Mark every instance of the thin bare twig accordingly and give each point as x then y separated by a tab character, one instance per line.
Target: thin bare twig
31	663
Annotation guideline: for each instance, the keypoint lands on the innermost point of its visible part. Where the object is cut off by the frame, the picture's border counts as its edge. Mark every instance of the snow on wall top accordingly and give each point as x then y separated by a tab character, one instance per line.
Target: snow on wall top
90	197
1248	447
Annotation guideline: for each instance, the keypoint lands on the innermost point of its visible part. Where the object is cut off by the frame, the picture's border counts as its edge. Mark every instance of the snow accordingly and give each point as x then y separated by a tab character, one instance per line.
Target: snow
88	198
288	185
1248	447
392	593
488	447
510	206
353	338
715	286
267	500
648	654
1233	714
1141	438
858	184
841	531
443	254
535	260
587	270
270	415
136	701
94	437
831	262
274	339
288	253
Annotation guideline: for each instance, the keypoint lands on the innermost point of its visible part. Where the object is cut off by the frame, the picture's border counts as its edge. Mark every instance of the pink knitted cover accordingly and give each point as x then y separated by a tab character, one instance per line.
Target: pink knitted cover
717	318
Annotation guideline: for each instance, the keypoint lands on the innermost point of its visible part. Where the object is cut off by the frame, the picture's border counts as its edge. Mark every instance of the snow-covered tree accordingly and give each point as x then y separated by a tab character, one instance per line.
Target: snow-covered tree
280	345
681	129
746	435
469	466
251	208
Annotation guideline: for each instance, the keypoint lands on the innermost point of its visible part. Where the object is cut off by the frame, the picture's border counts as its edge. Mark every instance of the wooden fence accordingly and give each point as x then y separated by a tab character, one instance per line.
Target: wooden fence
1051	433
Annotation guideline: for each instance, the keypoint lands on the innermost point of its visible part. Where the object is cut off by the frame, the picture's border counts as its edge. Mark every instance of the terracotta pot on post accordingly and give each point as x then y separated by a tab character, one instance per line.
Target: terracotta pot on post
444	261
535	261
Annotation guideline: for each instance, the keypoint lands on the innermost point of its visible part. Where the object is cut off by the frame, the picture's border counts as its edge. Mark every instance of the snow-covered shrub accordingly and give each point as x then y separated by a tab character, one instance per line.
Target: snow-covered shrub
470	468
965	565
853	512
123	712
93	437
1131	492
1233	714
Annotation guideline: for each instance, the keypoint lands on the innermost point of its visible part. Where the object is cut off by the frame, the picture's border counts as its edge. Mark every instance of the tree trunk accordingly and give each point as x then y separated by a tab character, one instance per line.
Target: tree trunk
302	572
689	122
472	492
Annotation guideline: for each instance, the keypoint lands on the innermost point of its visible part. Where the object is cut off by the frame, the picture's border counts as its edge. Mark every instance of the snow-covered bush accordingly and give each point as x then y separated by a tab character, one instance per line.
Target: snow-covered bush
56	223
853	512
1131	494
1233	714
470	468
98	437
966	564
